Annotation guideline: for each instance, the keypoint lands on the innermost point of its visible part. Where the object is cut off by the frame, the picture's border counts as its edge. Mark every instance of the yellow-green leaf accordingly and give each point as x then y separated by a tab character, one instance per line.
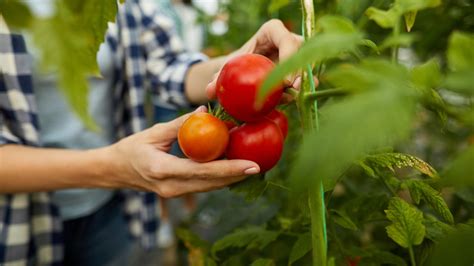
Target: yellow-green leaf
407	227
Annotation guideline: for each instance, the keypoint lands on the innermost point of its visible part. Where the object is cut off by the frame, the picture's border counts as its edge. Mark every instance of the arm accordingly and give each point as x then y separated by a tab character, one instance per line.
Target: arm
139	161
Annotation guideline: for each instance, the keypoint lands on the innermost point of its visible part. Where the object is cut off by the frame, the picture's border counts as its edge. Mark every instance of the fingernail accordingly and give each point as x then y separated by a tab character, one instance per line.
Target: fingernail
251	171
201	108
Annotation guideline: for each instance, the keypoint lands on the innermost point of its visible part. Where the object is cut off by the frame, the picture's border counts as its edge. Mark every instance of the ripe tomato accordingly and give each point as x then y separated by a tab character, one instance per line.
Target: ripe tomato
238	83
203	137
280	119
260	142
229	124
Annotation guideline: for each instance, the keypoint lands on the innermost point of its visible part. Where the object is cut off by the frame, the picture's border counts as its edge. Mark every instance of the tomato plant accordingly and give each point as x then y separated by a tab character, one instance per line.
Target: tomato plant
203	137
238	83
260	141
348	189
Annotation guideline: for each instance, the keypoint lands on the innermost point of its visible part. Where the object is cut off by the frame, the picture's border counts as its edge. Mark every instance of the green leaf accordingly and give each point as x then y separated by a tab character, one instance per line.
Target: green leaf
252	187
410	20
407	228
324	46
427	75
275	5
251	238
435	229
191	239
263	262
301	247
362	129
335	24
342	219
460	171
15	13
403	40
394	160
369	74
415	5
385	19
461	81
420	190
454	249
460	53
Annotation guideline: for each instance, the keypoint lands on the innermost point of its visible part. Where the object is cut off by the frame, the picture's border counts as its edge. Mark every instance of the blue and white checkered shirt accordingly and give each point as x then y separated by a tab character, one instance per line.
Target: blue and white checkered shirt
148	54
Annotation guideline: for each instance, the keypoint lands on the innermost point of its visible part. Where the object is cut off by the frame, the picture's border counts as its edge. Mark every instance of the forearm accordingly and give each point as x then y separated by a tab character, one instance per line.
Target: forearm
199	76
27	169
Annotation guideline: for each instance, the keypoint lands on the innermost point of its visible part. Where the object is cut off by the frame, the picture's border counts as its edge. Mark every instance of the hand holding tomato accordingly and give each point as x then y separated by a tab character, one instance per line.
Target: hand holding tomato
144	163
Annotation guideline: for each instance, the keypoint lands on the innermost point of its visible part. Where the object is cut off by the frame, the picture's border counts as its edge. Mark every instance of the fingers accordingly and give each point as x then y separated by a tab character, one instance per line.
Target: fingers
174	187
190	170
211	87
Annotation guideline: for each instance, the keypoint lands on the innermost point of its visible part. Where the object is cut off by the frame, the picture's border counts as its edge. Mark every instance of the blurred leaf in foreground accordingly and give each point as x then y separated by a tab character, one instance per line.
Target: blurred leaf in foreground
15	13
455	249
461	171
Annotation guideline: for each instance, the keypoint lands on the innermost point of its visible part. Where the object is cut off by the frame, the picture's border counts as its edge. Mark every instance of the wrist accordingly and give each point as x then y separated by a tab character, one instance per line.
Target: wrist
103	171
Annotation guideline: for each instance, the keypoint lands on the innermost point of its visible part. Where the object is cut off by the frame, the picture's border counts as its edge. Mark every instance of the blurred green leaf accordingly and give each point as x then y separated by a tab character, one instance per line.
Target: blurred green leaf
362	129
301	247
410	20
251	187
15	13
407	228
415	5
68	42
389	18
460	172
420	190
460	53
335	24
343	220
369	74
435	229
427	75
275	5
324	46
251	238
263	262
385	19
461	81
455	249
403	40
380	257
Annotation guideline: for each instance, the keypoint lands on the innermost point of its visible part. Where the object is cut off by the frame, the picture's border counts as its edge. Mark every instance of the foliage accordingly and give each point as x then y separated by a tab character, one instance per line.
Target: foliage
385	124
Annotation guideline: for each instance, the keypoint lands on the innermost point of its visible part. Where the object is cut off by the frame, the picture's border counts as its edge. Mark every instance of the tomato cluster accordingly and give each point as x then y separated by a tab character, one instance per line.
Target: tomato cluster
259	138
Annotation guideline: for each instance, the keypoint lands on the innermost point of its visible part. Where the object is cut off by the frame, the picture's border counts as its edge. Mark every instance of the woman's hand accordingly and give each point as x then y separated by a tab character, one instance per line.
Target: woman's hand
142	161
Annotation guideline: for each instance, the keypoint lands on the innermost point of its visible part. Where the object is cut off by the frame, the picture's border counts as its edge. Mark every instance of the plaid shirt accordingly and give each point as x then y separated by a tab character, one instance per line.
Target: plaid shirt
147	54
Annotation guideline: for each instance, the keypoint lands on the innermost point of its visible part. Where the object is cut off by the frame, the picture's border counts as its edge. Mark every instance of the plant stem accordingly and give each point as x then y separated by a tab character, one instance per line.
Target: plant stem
318	234
395	32
309	120
292	91
312	96
412	256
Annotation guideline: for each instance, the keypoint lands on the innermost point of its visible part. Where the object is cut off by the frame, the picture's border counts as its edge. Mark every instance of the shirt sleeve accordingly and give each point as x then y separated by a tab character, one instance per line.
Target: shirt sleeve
167	62
18	117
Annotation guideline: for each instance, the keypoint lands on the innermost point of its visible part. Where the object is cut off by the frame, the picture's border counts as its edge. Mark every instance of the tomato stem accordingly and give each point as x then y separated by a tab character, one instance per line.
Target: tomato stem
292	91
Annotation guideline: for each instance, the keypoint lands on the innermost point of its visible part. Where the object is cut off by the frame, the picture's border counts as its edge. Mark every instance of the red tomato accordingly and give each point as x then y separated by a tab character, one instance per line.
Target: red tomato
280	119
203	137
229	124
238	83
353	261
260	142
